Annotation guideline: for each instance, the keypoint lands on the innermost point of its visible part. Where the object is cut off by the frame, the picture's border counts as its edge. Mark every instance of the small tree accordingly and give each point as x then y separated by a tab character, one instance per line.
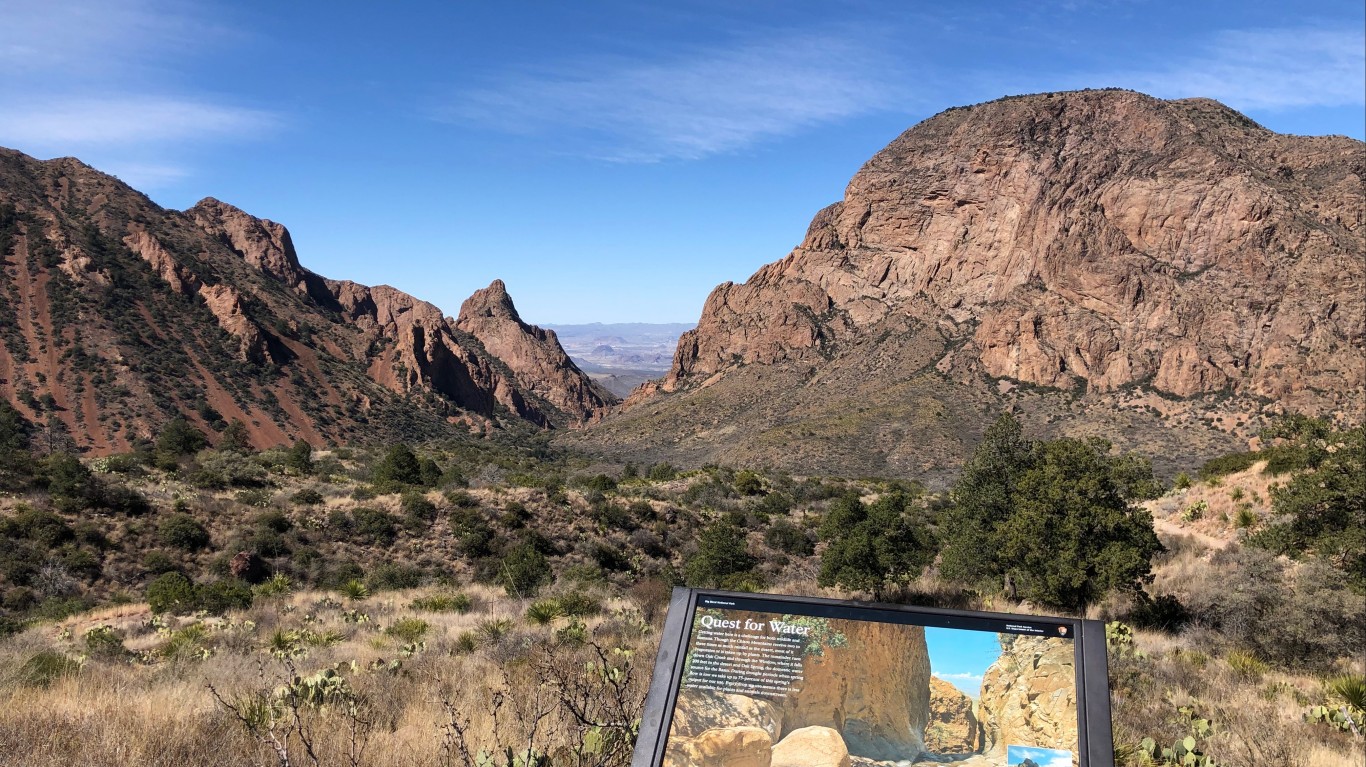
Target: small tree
870	547
524	570
299	458
722	559
179	438
400	464
982	501
235	438
1074	534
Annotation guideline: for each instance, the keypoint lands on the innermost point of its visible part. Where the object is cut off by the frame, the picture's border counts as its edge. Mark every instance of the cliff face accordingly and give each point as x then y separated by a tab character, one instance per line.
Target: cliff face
1098	239
118	315
533	355
1029	695
1165	274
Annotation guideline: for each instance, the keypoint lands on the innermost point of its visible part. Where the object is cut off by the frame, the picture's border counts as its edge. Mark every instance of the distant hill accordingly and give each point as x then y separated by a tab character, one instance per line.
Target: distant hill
118	315
1164	274
622	356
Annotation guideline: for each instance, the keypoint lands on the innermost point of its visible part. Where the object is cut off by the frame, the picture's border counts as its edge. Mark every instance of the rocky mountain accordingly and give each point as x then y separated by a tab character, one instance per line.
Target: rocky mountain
1162	273
118	315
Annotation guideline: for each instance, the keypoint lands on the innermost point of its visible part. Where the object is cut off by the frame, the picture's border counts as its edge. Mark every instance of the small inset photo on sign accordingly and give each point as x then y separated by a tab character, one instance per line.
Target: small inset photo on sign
1029	756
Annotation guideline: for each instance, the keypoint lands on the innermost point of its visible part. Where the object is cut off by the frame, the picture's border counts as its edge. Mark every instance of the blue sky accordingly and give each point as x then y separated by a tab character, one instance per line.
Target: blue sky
610	161
960	657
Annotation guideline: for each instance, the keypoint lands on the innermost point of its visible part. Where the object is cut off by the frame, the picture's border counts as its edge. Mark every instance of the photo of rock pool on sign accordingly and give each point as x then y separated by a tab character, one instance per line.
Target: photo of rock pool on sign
766	689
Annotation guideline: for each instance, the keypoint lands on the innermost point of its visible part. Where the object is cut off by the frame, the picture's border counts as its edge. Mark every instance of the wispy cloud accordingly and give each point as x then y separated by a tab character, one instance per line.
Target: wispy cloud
968	683
708	102
83	122
1265	69
102	79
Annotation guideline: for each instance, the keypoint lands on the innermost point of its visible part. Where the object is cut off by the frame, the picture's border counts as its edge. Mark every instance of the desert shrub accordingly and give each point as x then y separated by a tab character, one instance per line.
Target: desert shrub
600	483
543	612
417	508
399	465
609	556
473	533
220	469
299	458
159	563
392	576
41	527
221	596
105	643
179	438
372	525
47	666
788	538
182	531
579	604
354	590
1163	613
459	602
523	570
661	472
1227	464
515	515
1244	518
461	499
722	559
872	546
1182	481
408	629
611	516
171	592
79	562
649	544
259	497
306	497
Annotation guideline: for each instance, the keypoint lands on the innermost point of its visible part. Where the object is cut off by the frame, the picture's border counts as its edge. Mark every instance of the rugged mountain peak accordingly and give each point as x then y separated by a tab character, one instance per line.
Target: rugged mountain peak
1097	239
533	354
260	242
492	301
100	342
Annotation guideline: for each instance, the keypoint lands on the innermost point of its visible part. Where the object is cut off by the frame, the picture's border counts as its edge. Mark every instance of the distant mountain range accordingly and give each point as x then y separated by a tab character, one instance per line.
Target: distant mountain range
1165	274
621	356
118	315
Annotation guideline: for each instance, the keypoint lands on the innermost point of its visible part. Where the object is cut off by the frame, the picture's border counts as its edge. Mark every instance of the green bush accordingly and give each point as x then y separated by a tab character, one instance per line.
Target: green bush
221	596
458	602
47	666
543	612
182	531
392	576
408	629
1228	464
171	593
104	642
790	539
523	570
661	472
307	497
374	526
400	465
722	559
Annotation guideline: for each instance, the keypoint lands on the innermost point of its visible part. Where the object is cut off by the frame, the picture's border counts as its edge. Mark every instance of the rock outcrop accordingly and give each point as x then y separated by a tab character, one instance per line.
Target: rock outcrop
873	690
120	315
1029	695
811	747
953	727
1164	274
533	355
1099	239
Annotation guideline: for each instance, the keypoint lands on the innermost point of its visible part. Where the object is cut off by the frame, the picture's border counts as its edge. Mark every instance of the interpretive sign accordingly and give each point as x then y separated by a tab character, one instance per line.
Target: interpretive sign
759	680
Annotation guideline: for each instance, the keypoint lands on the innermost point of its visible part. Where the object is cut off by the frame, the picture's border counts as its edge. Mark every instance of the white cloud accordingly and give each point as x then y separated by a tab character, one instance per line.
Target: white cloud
80	122
712	101
103	77
1265	69
968	683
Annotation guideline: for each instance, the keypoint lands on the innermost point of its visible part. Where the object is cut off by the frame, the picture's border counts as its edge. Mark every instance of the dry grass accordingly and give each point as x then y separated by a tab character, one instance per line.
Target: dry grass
147	709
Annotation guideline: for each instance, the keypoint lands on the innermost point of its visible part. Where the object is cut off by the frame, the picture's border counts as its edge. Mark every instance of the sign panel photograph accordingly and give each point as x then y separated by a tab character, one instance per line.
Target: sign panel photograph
755	680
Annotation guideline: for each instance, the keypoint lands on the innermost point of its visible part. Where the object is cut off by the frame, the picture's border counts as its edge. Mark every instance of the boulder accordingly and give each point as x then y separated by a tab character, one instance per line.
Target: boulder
811	747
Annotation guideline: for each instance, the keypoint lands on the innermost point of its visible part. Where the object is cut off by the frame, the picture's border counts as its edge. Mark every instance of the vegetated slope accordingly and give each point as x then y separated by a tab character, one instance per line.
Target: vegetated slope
118	315
1162	273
